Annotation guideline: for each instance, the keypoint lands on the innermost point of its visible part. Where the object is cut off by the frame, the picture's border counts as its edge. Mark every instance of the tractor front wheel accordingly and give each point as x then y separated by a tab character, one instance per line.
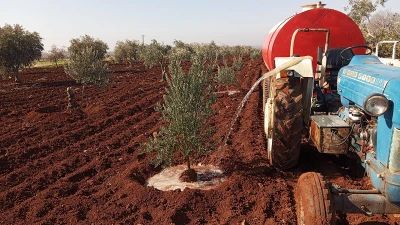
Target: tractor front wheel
313	205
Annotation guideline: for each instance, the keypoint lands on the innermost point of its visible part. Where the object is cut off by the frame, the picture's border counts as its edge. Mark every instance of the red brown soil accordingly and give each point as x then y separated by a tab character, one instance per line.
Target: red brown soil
63	168
188	175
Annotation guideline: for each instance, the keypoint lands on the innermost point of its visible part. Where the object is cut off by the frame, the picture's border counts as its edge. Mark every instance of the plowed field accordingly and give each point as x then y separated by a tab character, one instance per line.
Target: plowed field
58	167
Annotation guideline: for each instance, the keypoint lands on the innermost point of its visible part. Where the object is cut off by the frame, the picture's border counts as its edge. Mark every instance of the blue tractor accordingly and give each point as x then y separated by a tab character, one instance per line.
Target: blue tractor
339	99
357	110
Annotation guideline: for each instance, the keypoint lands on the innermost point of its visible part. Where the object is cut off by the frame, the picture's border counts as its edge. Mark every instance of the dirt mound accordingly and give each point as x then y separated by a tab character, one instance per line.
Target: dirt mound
61	168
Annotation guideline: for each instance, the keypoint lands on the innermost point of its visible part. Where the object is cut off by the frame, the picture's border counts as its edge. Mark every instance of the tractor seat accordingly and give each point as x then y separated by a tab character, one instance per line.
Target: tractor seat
333	61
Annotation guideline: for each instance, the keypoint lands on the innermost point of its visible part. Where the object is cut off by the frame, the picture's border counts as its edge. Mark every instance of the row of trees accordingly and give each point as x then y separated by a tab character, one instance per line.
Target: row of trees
187	104
157	53
186	109
20	48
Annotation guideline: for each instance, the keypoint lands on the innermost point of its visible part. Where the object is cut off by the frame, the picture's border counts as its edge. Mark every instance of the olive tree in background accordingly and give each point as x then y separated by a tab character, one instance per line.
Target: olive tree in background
155	53
85	69
207	53
384	25
361	10
255	53
126	51
99	48
226	74
181	51
56	54
86	66
19	48
376	26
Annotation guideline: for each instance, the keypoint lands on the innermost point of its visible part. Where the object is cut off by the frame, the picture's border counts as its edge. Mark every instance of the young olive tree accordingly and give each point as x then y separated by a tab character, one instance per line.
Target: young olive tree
126	51
238	52
182	45
98	47
85	69
186	110
86	66
18	49
155	53
226	74
207	53
181	51
255	53
56	54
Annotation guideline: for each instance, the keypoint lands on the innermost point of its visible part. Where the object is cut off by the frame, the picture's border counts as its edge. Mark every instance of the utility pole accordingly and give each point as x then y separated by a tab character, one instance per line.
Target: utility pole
142	39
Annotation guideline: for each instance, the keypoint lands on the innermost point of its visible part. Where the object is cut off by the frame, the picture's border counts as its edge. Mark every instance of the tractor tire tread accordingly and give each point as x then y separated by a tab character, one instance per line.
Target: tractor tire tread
288	123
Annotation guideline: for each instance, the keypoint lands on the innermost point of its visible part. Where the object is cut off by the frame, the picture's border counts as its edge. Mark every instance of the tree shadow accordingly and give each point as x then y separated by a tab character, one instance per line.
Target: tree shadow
128	71
328	165
53	84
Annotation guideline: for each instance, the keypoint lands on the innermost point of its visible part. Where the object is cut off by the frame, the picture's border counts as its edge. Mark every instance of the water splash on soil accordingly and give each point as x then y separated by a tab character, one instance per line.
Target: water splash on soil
208	177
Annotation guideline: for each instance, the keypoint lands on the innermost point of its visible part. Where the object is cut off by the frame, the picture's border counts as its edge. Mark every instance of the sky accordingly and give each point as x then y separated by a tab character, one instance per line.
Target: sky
230	22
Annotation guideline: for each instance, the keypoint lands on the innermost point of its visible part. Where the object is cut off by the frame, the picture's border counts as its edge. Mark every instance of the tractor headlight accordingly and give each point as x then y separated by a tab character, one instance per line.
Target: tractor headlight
376	104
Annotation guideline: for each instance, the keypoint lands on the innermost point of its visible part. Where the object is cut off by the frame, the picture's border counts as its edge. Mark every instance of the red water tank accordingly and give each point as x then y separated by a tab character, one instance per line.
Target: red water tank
343	32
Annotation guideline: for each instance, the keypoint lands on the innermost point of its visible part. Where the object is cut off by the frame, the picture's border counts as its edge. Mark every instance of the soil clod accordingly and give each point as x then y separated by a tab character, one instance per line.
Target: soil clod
188	175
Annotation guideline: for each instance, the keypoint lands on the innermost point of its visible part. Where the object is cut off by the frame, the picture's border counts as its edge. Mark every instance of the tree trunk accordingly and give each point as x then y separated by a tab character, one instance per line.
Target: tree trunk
71	99
163	78
130	62
83	95
16	75
188	162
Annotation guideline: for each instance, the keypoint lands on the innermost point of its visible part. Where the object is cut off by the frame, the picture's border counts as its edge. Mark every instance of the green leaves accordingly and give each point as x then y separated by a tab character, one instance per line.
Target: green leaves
86	65
383	25
56	54
18	48
226	75
186	111
255	53
126	51
98	47
154	53
187	105
361	10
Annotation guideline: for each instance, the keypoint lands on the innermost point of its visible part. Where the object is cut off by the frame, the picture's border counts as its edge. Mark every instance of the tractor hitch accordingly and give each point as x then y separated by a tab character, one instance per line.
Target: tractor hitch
367	202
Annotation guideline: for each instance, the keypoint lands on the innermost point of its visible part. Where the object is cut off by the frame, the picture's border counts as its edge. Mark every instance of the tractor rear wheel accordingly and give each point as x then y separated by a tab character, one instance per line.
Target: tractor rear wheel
313	205
283	120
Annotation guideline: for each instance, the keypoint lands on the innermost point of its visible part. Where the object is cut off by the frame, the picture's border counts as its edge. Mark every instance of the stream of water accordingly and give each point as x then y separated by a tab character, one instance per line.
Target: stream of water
284	66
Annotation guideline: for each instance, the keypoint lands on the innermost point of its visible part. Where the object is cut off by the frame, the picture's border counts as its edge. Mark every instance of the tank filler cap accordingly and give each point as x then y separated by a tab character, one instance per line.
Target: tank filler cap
313	6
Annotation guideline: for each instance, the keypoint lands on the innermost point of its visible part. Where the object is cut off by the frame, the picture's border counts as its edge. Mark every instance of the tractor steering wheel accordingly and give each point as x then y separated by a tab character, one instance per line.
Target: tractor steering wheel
352	47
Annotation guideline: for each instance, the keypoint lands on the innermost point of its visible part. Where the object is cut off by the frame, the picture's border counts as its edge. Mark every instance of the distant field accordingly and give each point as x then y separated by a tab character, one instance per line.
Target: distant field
45	63
48	64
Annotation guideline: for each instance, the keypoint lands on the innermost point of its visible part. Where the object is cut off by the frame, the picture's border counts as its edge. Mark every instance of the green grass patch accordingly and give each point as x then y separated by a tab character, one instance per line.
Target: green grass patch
46	64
